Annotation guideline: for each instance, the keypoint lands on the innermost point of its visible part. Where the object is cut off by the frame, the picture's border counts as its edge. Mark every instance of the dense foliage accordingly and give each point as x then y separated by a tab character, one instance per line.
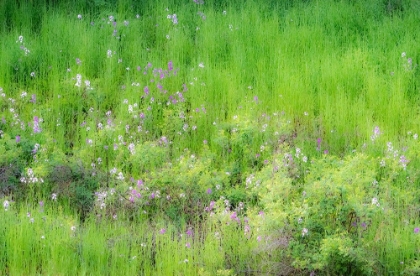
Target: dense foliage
277	138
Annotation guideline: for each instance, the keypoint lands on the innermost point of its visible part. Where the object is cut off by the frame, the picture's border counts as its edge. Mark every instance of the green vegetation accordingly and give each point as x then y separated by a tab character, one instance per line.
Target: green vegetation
209	138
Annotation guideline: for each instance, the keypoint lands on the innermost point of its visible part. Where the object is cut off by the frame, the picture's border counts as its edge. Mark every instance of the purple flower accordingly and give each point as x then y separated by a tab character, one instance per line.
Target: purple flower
189	232
376	133
318	144
234	217
33	98
403	161
146	90
211	206
135	193
36	125
209	191
17	139
162	231
416	230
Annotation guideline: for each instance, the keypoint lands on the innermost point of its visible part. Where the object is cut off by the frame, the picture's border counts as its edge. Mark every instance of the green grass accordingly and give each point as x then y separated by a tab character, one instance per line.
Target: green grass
286	108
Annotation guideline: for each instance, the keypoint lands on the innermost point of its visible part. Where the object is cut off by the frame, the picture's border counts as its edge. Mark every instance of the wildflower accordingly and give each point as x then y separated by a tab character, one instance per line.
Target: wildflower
73	228
6	204
376	133
131	148
120	176
375	201
174	19
54	196
17	139
32	74
36	125
304	232
162	231
209	191
20	39
234	217
78	80
201	65
79	16
416	230
187	245
403	161
33	98
170	66
78	61
318	144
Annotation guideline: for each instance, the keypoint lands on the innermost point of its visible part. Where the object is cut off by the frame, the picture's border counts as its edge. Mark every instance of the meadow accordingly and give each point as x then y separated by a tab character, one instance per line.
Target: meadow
208	137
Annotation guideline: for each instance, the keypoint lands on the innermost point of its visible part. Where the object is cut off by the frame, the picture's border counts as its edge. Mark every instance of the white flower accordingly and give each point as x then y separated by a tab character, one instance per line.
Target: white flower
6	204
120	176
304	232
375	201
